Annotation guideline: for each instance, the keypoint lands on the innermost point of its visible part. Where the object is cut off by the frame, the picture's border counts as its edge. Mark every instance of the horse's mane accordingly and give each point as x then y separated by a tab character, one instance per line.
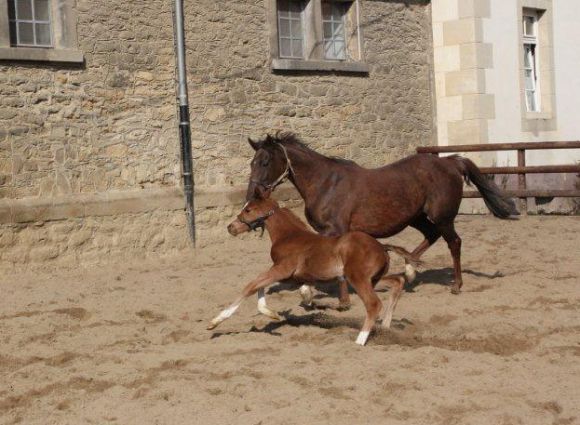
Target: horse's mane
287	138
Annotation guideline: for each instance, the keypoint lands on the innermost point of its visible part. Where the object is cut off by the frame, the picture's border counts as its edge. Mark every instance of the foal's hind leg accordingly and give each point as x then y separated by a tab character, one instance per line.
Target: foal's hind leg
372	302
397	282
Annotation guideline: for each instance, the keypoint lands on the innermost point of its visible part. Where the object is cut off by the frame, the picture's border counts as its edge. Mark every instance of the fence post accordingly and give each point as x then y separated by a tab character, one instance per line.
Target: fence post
522	181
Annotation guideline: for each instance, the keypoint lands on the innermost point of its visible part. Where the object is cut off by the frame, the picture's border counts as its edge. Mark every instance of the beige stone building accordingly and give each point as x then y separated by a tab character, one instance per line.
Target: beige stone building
89	151
506	71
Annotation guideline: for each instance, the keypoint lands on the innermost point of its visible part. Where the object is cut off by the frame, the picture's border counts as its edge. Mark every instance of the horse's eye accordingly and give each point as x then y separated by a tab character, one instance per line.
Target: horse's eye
247	210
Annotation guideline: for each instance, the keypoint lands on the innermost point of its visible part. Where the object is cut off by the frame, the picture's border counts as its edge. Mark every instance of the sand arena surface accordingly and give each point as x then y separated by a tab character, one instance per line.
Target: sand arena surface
126	343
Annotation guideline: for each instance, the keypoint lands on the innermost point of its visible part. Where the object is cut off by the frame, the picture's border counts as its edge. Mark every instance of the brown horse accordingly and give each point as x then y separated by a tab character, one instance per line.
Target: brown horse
422	191
301	255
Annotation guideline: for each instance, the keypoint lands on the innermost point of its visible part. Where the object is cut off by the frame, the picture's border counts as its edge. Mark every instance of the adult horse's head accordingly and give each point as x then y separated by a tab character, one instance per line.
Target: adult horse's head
270	165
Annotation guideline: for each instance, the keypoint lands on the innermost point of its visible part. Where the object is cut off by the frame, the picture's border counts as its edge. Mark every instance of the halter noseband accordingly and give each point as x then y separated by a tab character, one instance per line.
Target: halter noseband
283	176
259	223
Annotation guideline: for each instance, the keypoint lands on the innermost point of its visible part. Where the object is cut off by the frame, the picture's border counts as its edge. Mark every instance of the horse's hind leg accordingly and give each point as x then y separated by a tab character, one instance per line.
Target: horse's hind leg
454	243
431	233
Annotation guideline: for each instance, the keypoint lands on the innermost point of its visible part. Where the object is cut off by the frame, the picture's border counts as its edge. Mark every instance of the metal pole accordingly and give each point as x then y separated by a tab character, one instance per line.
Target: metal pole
184	124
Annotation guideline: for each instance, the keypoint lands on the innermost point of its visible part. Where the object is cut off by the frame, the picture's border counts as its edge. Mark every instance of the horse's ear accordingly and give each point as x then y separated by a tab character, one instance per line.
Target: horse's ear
262	193
254	145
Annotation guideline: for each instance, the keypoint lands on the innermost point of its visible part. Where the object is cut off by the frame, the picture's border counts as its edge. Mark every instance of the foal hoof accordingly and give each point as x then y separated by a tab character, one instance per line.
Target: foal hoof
455	290
269	313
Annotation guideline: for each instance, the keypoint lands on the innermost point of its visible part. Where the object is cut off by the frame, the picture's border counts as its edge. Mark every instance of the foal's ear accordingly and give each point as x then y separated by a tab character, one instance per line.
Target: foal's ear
254	145
262	193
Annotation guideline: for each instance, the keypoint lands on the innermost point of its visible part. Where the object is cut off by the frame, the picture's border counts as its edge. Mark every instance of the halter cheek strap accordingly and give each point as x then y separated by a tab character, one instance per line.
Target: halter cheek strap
258	223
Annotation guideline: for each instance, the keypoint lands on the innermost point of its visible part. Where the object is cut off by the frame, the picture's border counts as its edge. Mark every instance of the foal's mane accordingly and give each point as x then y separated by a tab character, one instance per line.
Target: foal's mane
287	138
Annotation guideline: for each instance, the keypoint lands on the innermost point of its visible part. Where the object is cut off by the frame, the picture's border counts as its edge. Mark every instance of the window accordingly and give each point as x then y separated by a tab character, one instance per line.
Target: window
333	21
316	35
290	28
30	23
38	30
531	80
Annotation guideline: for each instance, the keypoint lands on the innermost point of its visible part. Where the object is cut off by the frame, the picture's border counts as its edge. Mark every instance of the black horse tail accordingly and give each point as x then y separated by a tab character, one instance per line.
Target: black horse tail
498	203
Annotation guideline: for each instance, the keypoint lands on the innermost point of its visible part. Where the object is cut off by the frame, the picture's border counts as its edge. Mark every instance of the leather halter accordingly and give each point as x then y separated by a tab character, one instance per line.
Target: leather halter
289	170
259	223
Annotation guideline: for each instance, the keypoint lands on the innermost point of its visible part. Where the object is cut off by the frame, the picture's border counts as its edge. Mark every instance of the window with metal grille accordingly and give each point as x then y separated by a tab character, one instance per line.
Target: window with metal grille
290	28
30	23
333	21
530	38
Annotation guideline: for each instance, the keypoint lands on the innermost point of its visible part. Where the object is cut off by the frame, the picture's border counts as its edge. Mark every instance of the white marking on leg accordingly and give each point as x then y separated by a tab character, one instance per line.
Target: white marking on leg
307	294
225	314
263	308
362	337
387	318
410	273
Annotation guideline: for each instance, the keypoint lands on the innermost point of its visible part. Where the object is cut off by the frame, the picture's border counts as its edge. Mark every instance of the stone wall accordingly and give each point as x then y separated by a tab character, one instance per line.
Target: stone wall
109	124
68	131
372	119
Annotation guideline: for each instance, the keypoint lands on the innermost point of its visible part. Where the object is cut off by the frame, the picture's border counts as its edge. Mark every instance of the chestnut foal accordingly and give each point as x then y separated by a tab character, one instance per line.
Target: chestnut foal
306	257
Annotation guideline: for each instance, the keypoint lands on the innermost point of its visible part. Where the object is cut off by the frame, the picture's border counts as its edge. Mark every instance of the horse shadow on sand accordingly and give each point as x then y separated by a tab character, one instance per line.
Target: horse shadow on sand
443	277
318	319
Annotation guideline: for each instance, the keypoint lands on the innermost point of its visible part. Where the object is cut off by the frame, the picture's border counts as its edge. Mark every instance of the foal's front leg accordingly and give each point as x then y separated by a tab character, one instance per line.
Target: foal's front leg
276	273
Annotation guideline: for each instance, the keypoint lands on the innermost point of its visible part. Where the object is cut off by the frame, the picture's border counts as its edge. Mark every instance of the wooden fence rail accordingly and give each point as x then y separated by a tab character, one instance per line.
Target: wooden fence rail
521	170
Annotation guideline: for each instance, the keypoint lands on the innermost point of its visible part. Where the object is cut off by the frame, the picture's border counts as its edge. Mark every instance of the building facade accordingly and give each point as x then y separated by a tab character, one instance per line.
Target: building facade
89	152
505	71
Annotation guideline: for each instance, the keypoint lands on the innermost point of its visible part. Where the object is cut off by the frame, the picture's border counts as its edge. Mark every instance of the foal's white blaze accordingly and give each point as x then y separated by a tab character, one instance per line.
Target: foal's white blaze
410	273
362	337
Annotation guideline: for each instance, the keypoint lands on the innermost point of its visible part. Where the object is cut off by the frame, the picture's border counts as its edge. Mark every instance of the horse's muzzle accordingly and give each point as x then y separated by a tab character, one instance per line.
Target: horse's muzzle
236	227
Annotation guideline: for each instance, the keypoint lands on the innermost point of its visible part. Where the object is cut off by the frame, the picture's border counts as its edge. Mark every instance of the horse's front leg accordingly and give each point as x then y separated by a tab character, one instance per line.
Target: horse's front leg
276	273
263	307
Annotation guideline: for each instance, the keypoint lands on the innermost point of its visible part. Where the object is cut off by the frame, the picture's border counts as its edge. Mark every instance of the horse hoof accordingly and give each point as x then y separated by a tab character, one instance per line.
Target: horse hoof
343	307
455	290
211	326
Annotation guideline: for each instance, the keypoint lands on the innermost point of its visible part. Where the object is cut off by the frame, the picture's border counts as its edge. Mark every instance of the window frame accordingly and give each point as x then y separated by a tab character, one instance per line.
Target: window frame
531	42
16	21
313	47
63	37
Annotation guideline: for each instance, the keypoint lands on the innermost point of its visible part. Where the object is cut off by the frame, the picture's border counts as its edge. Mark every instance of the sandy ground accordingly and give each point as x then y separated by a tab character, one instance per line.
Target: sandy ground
126	343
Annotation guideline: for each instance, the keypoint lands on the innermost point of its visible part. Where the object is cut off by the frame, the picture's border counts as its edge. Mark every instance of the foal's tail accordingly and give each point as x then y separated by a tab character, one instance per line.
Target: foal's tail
409	258
498	203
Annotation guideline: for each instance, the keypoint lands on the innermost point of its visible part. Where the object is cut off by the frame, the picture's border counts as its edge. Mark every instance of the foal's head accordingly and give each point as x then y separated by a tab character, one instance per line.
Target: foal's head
254	214
270	164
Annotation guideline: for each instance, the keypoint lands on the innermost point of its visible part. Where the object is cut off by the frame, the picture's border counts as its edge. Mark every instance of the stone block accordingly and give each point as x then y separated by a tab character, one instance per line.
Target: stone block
463	31
474	8
470	81
476	55
468	132
478	106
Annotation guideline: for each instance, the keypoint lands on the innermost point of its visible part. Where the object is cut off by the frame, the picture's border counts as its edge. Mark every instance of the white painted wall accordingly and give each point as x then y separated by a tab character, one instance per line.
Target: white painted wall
503	80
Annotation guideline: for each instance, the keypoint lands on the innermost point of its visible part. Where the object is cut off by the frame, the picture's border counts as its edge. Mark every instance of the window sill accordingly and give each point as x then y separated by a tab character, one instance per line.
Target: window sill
41	55
538	115
310	65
